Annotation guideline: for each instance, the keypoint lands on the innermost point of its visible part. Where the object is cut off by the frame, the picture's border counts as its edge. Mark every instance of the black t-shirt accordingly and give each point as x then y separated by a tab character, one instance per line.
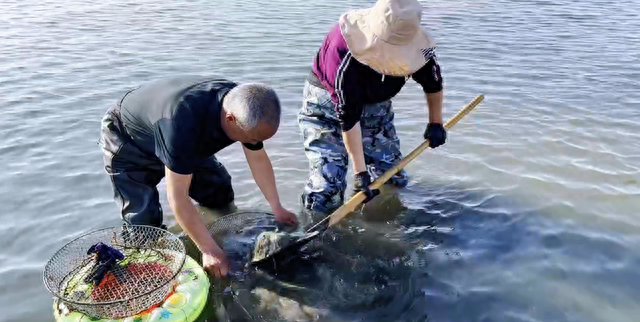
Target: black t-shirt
178	120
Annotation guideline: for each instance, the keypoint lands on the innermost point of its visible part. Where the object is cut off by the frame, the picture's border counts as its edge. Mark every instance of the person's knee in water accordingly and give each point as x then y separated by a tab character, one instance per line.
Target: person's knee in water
172	128
347	112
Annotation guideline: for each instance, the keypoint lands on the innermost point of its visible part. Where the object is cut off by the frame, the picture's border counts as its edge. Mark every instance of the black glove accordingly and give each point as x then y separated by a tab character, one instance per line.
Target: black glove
436	134
362	182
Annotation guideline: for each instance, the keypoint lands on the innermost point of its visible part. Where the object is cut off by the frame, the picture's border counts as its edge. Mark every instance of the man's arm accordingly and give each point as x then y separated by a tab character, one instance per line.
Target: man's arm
430	78
435	131
434	102
353	142
188	218
262	172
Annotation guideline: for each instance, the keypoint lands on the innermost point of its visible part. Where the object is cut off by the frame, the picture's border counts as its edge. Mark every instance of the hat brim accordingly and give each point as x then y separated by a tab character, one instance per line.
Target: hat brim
381	56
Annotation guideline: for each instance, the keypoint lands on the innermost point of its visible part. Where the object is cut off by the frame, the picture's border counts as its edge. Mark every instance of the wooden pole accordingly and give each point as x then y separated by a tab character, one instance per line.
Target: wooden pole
359	197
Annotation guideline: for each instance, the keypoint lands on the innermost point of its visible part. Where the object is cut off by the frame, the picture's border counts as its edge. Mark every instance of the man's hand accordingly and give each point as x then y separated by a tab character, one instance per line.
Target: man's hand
362	182
285	216
436	134
215	263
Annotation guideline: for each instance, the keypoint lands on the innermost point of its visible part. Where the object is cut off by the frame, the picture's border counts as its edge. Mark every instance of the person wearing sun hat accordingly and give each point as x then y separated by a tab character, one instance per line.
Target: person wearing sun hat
363	62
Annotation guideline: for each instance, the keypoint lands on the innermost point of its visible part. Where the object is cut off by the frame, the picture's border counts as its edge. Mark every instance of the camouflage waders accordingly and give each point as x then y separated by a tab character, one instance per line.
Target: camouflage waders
328	157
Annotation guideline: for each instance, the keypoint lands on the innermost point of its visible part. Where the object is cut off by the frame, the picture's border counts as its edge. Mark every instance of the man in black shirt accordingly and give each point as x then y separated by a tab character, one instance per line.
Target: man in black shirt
172	128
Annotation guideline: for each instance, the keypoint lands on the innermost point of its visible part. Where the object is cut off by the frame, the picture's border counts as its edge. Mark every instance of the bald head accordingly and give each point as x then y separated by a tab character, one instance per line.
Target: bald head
252	104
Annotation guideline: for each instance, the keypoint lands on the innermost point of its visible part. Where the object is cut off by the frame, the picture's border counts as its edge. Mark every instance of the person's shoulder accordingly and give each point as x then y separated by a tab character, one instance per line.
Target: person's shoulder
335	30
179	79
336	39
203	86
185	91
195	93
335	46
208	80
191	80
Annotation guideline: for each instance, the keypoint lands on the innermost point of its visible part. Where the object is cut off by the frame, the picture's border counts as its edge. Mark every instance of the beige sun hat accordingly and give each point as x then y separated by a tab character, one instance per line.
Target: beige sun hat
388	37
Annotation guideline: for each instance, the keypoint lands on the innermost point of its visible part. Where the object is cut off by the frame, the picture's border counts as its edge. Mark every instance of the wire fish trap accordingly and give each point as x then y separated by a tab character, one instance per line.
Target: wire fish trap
116	272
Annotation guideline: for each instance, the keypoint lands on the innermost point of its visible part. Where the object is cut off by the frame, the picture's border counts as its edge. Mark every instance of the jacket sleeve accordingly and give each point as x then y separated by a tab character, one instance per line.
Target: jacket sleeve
347	95
429	76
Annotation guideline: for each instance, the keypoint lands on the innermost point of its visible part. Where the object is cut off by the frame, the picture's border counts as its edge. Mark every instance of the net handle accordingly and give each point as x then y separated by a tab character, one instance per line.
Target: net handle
359	197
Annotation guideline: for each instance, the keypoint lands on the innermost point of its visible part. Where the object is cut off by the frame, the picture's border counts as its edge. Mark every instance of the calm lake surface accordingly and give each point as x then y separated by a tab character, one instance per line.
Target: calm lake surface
530	212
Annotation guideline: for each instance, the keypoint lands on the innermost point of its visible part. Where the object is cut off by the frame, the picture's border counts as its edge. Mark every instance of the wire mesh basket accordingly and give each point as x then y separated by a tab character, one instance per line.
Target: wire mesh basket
142	276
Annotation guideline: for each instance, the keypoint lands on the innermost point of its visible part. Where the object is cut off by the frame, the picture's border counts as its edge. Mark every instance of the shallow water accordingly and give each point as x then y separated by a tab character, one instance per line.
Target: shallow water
529	213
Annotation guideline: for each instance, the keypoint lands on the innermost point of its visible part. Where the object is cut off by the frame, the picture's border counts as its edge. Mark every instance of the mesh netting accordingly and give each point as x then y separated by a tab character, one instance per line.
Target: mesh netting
144	278
249	223
253	237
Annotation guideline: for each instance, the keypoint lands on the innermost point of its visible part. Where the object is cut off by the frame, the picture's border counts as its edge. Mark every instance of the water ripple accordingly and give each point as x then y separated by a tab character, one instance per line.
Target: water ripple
528	213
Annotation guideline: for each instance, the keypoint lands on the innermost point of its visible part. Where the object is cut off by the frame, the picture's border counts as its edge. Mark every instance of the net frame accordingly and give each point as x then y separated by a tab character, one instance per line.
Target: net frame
71	261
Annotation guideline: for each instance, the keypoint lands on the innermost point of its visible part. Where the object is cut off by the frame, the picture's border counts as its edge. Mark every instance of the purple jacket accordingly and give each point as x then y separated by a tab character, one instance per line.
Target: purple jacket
353	84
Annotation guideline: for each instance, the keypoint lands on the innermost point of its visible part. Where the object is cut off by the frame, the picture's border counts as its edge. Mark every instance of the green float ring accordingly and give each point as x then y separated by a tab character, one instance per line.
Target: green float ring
185	304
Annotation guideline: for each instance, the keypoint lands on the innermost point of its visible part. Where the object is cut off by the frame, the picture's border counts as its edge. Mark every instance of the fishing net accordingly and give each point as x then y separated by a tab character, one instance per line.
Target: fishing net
242	223
250	236
116	272
257	239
